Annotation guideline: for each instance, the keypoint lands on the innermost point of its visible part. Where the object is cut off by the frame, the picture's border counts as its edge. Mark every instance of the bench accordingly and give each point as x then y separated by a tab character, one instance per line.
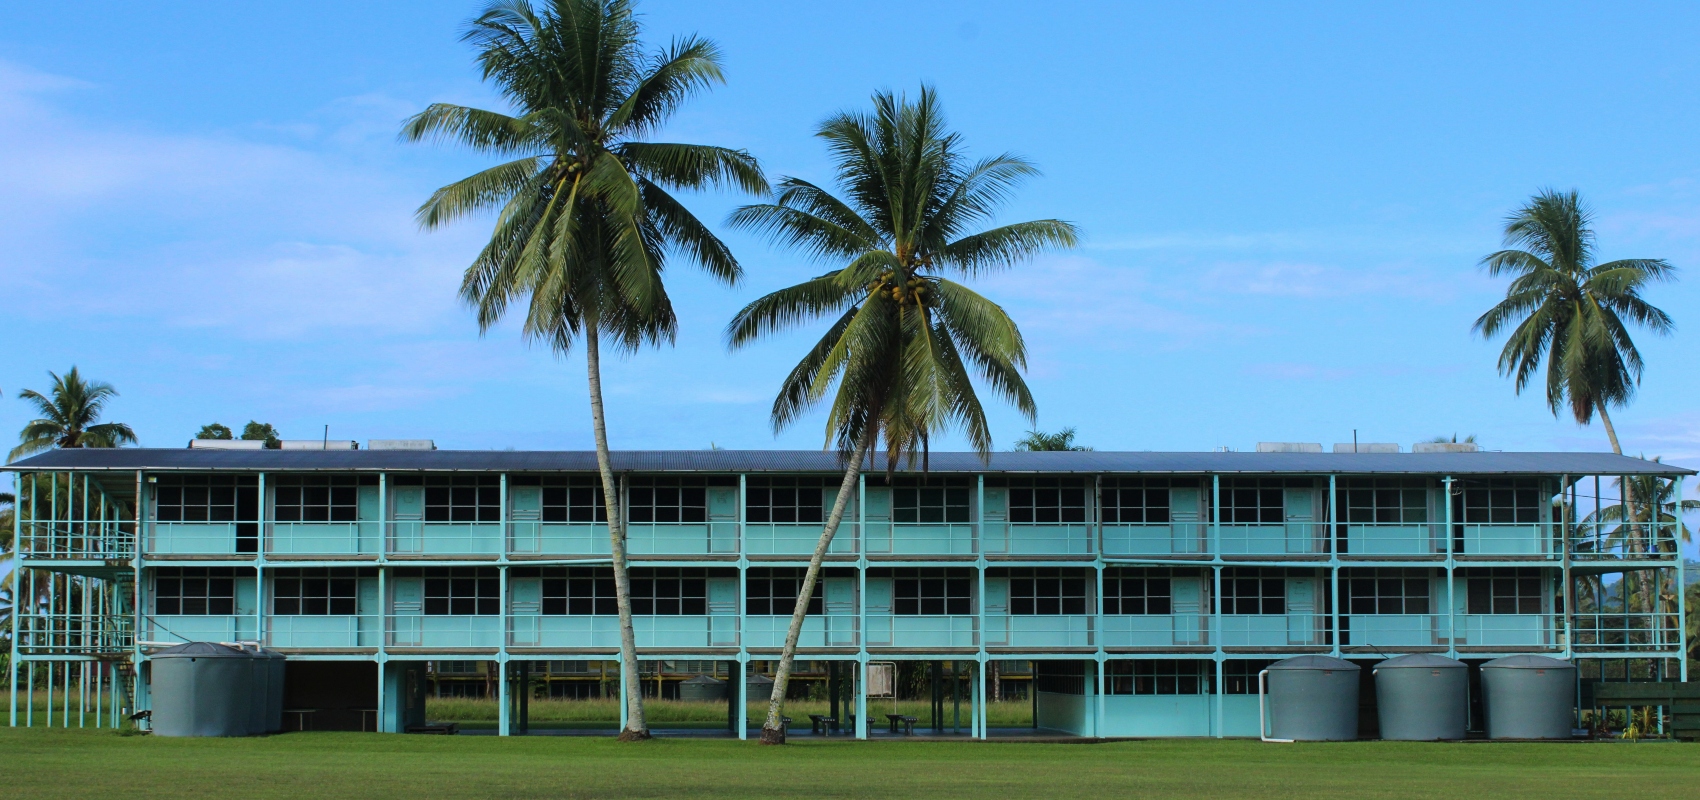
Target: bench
907	722
439	728
822	725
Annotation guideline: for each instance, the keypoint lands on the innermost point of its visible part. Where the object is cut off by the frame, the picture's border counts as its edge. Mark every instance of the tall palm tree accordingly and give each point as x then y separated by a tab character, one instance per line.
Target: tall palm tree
904	341
585	222
1569	311
71	418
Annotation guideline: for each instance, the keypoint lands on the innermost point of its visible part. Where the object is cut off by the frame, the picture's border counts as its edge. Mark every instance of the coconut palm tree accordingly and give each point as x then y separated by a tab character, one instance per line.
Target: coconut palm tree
905	342
585	221
1037	441
1572	313
71	418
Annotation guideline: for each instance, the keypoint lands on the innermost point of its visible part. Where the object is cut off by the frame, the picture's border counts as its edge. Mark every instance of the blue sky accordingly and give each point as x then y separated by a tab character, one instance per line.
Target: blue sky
206	205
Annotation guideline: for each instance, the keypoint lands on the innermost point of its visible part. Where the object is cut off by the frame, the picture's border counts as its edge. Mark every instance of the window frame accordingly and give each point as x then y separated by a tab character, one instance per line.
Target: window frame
213	588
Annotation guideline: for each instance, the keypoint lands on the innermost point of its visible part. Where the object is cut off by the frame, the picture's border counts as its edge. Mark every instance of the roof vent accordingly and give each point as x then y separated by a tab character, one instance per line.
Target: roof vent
227	444
1288	447
1365	447
319	444
1446	447
401	444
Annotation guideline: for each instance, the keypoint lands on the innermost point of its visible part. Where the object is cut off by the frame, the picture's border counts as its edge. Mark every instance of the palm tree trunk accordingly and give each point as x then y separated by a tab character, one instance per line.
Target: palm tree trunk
772	731
635	729
1634	543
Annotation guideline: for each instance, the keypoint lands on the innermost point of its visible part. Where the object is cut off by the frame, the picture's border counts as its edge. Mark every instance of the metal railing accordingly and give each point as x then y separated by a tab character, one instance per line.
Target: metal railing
819	630
1156	539
1157	630
1039	630
459	631
693	630
1034	538
324	538
190	628
1272	539
795	538
558	538
202	538
1391	630
1642	540
75	540
323	630
1619	632
1487	631
681	538
1370	540
74	634
1505	539
412	537
941	630
1274	630
919	538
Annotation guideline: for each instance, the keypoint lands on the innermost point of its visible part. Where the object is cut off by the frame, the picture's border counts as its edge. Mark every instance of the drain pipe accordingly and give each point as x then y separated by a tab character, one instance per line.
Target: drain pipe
1262	689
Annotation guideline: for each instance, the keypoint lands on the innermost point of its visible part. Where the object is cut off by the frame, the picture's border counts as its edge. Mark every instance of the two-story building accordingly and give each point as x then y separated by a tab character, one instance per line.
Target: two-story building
1148	589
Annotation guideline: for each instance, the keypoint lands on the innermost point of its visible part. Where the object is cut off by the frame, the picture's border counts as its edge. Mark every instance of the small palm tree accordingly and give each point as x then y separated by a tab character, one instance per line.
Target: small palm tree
585	218
1569	311
1037	441
71	418
905	342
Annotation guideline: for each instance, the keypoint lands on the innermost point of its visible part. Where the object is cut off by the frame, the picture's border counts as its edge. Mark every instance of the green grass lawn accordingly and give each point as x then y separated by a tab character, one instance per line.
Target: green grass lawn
71	763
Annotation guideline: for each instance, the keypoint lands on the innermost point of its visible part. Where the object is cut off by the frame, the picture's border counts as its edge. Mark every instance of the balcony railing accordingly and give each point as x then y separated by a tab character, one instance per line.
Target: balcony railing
1156	539
458	631
1507	630
1023	538
920	538
1506	539
1047	630
558	538
202	538
1391	630
716	630
1624	542
1619	632
1273	630
681	538
188	628
795	538
1157	630
1370	540
1273	539
446	538
819	630
338	630
75	540
74	634
887	630
323	538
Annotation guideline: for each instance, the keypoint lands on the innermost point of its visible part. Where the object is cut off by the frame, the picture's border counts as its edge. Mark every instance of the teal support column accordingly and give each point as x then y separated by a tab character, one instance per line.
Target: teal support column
504	717
1221	694
1333	566
743	681
1451	577
17	542
862	696
384	725
1681	589
624	706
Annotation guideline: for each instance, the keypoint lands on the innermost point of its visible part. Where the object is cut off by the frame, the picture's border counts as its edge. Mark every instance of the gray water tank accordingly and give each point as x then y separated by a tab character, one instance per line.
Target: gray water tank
758	688
1313	699
265	711
202	689
1422	697
703	688
1529	697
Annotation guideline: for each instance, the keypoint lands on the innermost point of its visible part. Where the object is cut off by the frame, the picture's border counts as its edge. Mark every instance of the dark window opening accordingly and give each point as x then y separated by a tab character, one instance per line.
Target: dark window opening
669	500
194	591
467	499
1388	591
1137	591
774	592
932	592
786	499
1248	590
1514	590
462	591
1041	591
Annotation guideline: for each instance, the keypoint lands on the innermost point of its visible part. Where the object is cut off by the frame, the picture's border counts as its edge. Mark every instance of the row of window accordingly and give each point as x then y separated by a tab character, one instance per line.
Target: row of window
943	591
217	498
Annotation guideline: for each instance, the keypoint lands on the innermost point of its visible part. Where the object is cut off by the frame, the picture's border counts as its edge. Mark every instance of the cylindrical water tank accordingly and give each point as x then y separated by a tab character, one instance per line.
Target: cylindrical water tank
1529	697
758	688
1313	698
202	689
1422	697
702	688
274	697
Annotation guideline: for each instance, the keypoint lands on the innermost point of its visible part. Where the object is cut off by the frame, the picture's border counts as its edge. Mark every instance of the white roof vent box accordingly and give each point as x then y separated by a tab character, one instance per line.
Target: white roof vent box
227	444
1288	447
318	444
1365	447
1446	447
401	444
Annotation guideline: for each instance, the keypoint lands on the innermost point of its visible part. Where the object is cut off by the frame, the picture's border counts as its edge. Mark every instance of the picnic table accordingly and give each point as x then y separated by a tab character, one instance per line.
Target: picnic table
907	722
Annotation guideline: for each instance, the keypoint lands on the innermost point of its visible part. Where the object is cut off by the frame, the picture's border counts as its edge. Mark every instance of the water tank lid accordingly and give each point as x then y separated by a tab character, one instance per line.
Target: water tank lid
202	650
758	679
1420	661
1527	662
703	680
1314	662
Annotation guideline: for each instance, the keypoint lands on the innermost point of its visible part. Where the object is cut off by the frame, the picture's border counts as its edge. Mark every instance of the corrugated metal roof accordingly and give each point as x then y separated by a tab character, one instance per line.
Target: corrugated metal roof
817	461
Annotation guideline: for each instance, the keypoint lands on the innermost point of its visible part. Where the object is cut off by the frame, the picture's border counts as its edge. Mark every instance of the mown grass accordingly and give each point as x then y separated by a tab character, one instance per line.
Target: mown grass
61	763
661	713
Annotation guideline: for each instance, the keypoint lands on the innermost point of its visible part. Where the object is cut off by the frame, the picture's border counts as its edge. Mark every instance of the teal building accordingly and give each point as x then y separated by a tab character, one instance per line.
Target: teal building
1146	589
